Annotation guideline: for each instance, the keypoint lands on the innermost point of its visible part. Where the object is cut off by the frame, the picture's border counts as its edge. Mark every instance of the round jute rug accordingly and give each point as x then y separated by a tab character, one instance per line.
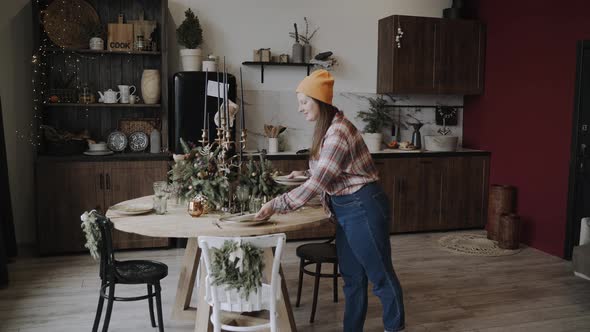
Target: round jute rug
474	244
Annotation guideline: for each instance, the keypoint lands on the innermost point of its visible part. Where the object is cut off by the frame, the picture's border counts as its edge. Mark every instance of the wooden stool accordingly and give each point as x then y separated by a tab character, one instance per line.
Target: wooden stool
317	253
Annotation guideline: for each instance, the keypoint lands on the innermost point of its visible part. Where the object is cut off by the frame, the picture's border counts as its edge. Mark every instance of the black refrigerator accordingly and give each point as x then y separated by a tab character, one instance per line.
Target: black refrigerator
186	118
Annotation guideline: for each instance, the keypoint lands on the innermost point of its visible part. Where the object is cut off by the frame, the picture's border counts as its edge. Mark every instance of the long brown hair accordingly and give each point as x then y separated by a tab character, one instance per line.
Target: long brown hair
327	113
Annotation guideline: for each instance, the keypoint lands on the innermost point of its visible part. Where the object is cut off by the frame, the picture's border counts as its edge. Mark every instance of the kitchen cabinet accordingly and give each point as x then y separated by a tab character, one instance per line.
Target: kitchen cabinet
429	194
423	55
427	191
66	189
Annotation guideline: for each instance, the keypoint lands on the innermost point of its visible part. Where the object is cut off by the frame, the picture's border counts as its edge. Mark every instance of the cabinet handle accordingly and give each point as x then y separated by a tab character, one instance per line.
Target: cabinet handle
101	182
108	182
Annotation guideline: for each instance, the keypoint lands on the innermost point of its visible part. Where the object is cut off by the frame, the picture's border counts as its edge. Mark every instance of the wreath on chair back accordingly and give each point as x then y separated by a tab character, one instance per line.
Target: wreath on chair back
238	266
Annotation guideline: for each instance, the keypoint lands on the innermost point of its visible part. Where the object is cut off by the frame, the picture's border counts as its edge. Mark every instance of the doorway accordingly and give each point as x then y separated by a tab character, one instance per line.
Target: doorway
578	205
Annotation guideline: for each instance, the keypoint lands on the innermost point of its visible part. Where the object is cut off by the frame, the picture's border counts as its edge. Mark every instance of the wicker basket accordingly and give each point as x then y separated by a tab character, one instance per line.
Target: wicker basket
145	125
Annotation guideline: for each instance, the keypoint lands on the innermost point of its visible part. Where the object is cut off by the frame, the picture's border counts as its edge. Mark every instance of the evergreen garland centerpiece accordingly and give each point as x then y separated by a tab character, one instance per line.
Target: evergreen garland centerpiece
239	266
205	170
202	171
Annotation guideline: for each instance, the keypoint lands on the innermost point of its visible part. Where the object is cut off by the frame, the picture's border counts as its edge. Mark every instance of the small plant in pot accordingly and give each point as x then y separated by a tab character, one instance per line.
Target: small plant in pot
377	117
190	35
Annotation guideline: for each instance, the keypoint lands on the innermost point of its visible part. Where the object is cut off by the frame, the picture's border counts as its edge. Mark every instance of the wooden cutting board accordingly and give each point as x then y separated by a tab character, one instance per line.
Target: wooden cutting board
120	36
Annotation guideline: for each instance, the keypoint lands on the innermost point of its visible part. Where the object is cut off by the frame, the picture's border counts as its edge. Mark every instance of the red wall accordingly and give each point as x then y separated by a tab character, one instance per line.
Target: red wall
524	116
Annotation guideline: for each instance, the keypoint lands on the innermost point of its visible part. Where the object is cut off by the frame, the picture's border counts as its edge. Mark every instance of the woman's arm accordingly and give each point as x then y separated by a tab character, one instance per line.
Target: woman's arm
329	166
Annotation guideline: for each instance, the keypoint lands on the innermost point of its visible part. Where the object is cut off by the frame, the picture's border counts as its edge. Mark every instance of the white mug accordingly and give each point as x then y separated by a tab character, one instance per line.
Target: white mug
125	91
133	99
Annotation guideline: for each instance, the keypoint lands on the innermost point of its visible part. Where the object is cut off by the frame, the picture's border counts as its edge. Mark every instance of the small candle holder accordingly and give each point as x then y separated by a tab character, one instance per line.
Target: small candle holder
198	206
204	137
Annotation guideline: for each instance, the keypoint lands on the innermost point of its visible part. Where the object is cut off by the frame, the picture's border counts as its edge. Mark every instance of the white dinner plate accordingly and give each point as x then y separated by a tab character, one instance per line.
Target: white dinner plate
284	178
132	209
98	153
241	220
289	183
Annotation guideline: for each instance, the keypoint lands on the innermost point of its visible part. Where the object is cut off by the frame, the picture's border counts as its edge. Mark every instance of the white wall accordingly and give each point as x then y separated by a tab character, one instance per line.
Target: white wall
16	91
347	27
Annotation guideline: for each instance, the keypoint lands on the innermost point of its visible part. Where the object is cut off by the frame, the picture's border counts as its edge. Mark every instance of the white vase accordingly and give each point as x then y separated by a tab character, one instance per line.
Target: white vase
150	86
191	59
373	141
273	145
440	143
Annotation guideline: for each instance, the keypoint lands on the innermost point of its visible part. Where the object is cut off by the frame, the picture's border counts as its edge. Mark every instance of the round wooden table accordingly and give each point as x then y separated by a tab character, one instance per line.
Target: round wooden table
179	224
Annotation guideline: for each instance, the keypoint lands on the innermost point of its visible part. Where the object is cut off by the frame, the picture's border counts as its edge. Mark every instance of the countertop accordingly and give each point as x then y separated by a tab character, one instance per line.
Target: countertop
130	156
391	153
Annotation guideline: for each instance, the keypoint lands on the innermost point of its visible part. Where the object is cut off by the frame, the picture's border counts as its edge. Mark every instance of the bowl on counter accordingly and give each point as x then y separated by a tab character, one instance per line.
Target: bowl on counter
440	143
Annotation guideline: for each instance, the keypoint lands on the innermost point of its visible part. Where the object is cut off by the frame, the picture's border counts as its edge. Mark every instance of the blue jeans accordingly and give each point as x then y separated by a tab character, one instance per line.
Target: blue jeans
364	252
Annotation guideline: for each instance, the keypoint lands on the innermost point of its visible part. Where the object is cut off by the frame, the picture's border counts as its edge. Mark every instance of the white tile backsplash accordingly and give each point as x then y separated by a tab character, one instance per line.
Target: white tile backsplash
280	107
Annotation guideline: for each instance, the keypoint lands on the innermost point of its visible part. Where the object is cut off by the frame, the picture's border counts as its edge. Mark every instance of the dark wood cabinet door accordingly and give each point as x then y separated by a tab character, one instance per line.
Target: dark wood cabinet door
419	204
64	192
465	192
459	57
391	174
414	60
128	180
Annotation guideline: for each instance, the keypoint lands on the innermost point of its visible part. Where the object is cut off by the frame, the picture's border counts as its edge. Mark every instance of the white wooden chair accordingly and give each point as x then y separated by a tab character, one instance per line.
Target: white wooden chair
222	298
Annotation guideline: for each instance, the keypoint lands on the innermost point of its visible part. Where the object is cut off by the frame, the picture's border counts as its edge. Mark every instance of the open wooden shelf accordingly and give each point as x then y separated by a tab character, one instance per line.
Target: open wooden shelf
89	51
99	105
283	64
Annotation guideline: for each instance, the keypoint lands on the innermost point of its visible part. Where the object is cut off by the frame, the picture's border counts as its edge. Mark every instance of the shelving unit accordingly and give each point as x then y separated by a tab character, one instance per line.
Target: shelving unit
89	51
68	185
100	105
276	64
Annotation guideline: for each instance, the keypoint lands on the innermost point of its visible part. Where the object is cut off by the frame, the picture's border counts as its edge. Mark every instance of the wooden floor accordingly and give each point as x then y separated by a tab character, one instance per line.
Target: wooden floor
530	291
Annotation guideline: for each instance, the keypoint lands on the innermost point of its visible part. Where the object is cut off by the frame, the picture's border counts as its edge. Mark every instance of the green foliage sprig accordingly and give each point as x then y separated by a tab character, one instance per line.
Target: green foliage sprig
259	178
377	116
92	233
190	33
227	272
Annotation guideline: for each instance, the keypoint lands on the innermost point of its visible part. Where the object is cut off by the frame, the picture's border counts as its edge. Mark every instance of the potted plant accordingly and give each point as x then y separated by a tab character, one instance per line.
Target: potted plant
376	118
190	35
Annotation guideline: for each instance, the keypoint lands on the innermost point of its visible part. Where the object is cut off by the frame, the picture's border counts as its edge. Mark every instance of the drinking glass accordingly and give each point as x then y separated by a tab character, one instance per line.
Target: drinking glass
242	195
255	204
161	192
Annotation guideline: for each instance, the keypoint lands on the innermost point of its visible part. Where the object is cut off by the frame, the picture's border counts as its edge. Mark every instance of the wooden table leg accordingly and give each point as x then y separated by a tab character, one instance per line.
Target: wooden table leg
285	320
186	282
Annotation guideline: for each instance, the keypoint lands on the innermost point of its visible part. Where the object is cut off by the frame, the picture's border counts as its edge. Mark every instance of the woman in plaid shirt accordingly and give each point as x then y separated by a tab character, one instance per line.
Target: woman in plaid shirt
343	172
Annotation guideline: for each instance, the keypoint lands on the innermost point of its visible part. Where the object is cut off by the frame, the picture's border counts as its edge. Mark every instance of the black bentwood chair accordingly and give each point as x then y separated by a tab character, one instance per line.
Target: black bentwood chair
114	272
317	253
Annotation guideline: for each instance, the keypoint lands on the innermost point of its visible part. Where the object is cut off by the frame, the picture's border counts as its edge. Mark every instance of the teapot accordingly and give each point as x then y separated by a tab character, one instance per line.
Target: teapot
109	96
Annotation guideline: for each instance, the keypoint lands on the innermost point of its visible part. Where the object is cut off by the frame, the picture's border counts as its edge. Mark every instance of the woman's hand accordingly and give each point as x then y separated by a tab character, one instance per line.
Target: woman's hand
265	212
295	174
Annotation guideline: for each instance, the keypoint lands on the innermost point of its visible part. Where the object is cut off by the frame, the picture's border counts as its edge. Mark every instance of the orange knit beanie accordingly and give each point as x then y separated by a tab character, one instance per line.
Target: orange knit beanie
318	85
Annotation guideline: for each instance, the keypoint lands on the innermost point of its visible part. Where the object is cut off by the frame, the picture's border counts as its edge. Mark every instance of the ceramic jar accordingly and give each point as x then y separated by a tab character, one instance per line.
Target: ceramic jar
150	86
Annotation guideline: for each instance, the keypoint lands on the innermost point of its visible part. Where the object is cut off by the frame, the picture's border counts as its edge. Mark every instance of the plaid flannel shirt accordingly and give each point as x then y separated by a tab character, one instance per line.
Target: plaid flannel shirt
343	167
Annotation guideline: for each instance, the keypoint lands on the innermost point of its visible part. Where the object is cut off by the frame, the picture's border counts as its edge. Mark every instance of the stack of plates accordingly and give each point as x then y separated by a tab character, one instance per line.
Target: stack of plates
296	181
131	209
241	220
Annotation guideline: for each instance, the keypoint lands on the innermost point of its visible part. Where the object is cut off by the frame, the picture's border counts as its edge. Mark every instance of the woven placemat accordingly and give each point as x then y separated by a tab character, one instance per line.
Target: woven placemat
474	244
